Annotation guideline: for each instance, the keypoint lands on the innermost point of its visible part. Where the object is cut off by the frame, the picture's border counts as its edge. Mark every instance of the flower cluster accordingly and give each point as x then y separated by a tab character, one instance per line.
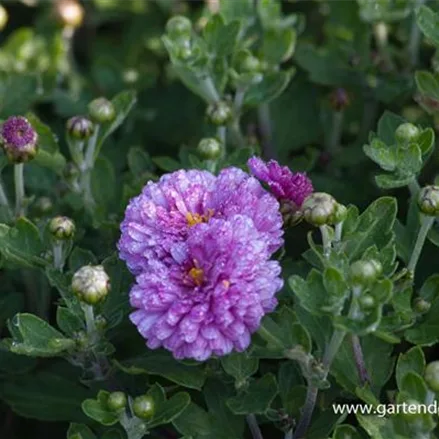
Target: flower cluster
200	246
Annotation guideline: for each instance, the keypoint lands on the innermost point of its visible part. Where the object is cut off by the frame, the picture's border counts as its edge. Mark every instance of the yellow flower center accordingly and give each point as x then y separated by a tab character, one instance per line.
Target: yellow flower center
195	218
197	275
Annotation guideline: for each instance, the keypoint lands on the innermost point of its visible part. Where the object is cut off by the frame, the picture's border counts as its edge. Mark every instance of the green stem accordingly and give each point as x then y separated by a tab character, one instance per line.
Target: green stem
359	359
414	187
426	223
338	231
381	33
326	240
19	189
415	37
337	129
312	391
90	323
208	89
254	427
58	259
266	129
222	136
289	434
4	201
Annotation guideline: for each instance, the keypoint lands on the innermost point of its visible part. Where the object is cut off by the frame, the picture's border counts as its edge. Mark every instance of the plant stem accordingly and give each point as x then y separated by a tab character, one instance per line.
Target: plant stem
4	201
90	323
19	189
208	89
426	223
326	240
359	360
338	231
58	260
254	427
337	130
415	37
266	130
414	187
87	168
312	391
289	434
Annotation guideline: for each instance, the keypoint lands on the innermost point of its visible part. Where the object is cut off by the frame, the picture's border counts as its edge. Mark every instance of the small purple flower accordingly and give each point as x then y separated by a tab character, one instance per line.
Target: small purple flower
285	185
167	210
211	294
18	139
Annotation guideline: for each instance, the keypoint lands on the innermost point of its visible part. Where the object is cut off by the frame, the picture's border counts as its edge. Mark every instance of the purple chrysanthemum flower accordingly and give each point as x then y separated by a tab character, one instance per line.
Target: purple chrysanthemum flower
210	296
19	139
165	211
285	185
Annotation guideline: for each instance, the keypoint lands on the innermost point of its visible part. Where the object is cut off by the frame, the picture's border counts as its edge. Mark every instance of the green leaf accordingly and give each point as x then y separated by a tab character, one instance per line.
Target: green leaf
278	45
22	244
168	411
390	181
163	364
236	10
387	126
60	386
257	398
291	387
221	38
97	409
103	181
80	257
346	432
240	366
381	154
414	385
427	84
123	103
271	86
428	22
226	425
79	431
374	227
411	361
55	162
37	338
425	141
194	422
372	425
68	321
166	163
139	161
430	289
409	160
47	141
426	333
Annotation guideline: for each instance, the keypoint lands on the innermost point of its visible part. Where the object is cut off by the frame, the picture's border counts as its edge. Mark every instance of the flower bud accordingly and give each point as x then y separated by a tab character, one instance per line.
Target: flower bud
143	407
421	305
80	127
367	302
220	113
291	214
3	17
70	12
339	99
209	148
101	110
247	63
431	376
43	205
18	139
117	401
340	214
428	200
62	228
178	27
319	209
365	272
81	339
407	133
91	284
101	322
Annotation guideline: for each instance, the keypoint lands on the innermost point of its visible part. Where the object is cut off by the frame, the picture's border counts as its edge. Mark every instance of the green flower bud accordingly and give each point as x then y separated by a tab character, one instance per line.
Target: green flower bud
367	302
80	127
117	401
91	284
3	17
340	214
431	376
421	305
178	27
428	200
101	110
406	133
184	52
365	272
209	148
43	205
291	215
247	63
81	339
319	209
62	228
220	113
143	407
101	322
